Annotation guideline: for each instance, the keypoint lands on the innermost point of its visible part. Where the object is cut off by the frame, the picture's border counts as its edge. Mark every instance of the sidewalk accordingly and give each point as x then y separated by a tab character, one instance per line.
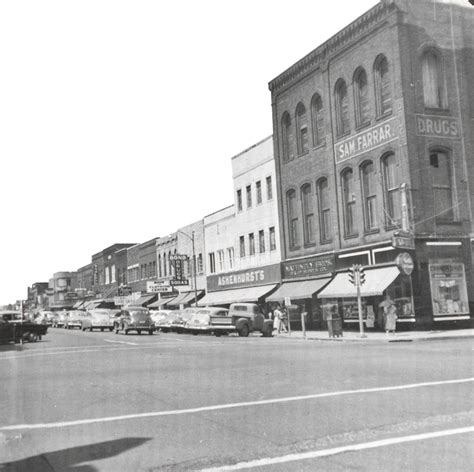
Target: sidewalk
402	336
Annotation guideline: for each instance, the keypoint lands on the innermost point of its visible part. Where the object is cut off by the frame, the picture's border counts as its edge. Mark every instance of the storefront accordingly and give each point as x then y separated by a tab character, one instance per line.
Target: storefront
302	280
250	285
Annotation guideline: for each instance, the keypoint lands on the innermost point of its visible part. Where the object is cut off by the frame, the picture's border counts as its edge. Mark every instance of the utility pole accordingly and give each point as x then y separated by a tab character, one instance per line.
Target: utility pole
194	263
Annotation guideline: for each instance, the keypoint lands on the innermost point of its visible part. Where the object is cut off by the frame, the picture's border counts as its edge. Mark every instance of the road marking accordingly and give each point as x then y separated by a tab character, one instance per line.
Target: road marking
120	342
338	450
227	406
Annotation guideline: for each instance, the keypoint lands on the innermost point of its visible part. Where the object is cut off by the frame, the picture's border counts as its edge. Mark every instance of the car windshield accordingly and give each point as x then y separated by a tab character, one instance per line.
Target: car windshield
139	314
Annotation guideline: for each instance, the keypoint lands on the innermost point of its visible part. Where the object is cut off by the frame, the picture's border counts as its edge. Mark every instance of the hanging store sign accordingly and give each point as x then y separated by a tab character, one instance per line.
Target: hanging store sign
437	126
310	267
368	140
245	278
405	263
403	242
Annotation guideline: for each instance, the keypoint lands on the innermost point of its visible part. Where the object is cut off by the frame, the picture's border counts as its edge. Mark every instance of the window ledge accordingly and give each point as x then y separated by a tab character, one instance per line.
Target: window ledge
343	135
436	110
366	124
320	145
384	116
302	154
448	222
294	248
372	231
351	236
325	241
307	245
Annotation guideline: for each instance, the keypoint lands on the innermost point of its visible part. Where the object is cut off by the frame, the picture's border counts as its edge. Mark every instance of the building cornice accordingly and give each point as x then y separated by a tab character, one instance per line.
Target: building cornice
340	41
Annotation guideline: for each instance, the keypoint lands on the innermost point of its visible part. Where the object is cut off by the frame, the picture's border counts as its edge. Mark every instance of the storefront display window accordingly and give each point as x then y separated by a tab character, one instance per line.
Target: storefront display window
448	287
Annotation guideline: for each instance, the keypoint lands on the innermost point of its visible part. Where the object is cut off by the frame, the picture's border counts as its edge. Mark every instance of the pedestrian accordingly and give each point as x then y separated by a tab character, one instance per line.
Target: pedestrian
277	318
283	318
389	314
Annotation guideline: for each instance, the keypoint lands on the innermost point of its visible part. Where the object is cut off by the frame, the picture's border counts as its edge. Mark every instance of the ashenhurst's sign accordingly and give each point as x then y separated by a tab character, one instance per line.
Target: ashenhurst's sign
309	267
245	278
367	140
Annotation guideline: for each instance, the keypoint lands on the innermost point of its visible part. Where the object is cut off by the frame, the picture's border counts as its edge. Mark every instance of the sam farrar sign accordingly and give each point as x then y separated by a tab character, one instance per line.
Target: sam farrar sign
367	140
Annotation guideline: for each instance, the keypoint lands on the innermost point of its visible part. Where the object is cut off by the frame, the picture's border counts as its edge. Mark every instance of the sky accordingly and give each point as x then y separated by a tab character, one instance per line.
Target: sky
119	118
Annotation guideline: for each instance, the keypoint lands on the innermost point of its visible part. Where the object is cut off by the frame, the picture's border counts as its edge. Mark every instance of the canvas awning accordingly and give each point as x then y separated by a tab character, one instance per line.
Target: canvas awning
376	281
77	305
226	297
298	290
184	298
160	303
143	300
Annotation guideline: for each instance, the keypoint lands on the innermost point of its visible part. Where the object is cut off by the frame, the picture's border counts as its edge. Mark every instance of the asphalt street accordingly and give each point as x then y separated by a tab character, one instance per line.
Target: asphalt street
105	402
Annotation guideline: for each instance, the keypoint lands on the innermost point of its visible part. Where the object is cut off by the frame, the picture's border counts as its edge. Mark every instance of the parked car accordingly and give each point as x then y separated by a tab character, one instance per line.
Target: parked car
164	324
97	319
59	319
74	319
243	318
200	321
12	331
45	317
183	316
158	315
134	319
11	315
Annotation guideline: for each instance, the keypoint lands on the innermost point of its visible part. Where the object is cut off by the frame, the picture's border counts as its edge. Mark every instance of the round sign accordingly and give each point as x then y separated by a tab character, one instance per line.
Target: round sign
405	263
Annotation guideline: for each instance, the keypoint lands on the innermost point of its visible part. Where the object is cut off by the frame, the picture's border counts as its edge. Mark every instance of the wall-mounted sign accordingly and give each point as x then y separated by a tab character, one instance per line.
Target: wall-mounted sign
244	278
405	263
157	287
403	242
437	126
367	140
309	267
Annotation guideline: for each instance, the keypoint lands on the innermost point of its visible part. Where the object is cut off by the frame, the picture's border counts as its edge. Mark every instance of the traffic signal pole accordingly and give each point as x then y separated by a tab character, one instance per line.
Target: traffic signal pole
357	278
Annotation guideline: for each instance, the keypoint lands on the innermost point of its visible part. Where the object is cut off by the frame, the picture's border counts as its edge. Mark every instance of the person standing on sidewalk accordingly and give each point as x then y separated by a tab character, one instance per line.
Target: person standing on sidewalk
389	314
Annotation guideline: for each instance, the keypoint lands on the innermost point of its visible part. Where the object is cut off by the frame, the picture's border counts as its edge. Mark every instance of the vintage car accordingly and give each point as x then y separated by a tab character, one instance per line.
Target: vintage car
164	324
134	318
12	331
11	316
59	319
97	319
75	318
200	321
178	324
158	315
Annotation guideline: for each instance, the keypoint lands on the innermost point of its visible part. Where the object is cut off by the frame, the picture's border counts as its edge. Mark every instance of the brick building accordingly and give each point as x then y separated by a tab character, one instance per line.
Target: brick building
373	131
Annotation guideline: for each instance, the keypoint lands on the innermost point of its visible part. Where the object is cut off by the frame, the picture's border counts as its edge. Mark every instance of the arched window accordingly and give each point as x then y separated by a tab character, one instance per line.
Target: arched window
361	97
317	120
301	129
324	210
383	87
292	217
434	91
308	213
348	198
342	108
286	137
393	210
440	168
369	195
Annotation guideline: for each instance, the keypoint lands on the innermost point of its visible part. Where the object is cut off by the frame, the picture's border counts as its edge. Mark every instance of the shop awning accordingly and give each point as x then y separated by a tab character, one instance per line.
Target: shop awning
77	305
143	300
298	290
160	303
184	298
91	305
225	297
376	281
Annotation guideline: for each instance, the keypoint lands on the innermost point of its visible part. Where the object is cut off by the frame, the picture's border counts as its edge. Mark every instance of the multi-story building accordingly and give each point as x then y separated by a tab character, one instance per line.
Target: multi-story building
242	241
62	290
374	134
37	298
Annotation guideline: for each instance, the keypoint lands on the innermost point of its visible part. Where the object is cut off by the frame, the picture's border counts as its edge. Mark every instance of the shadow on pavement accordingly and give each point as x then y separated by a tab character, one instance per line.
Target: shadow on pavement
70	459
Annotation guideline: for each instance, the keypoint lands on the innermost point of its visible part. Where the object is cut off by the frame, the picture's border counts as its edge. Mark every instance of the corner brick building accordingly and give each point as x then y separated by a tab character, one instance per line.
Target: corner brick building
374	144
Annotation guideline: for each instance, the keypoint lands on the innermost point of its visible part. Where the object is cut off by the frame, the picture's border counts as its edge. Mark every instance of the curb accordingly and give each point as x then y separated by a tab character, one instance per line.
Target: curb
379	340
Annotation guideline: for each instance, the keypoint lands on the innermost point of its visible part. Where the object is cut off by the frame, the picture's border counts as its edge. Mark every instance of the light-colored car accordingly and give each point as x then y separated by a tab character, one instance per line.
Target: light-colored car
134	318
164	324
59	319
97	319
179	323
74	319
158	315
200	321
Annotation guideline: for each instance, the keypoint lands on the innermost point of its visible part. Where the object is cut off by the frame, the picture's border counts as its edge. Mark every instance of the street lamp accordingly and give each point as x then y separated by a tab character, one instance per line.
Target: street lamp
194	263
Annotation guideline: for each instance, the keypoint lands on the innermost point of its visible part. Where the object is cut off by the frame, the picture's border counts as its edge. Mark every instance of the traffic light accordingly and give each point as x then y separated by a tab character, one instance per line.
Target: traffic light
351	273
361	276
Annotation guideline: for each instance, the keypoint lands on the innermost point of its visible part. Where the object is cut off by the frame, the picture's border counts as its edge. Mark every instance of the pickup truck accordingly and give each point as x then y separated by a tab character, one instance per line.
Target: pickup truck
16	331
243	318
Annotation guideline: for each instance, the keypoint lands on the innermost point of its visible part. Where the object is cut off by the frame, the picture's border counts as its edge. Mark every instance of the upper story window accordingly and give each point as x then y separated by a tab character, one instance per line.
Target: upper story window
391	182
251	244
308	213
383	87
165	265
159	266
258	187
348	198
230	256
342	108
261	241
369	196
200	263
286	137
239	200
248	190
434	90
441	181
212	263
269	188
272	235
220	259
361	97
324	210
317	120
301	129
242	246
292	218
